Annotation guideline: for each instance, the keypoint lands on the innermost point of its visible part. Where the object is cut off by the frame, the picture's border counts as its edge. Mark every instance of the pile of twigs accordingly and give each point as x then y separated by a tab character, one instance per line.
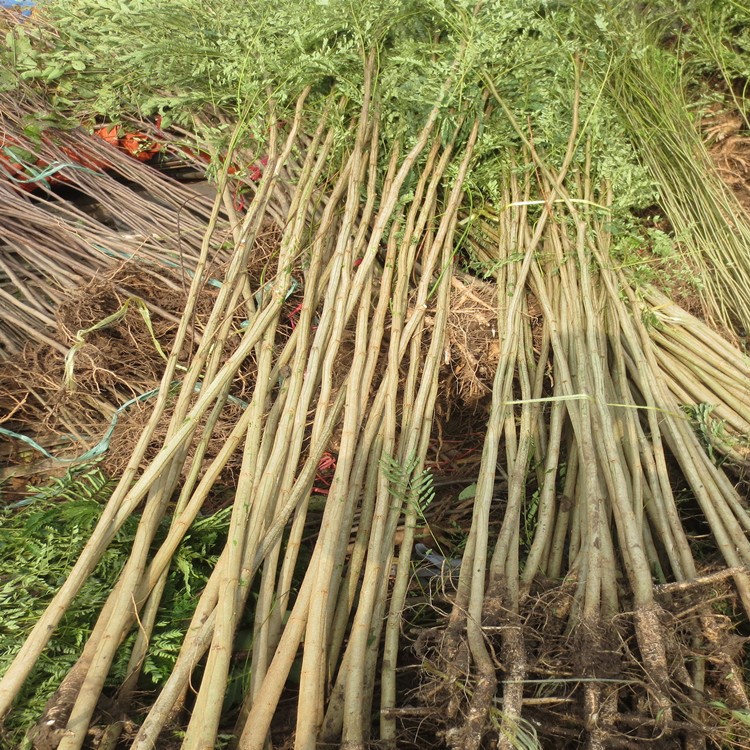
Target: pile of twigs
92	209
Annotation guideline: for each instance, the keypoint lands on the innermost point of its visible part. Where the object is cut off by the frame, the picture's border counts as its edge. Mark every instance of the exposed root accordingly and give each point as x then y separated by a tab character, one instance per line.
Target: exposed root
614	696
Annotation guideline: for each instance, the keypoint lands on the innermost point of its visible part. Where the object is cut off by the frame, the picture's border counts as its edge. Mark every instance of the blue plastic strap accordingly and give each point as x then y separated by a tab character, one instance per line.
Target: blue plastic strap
103	445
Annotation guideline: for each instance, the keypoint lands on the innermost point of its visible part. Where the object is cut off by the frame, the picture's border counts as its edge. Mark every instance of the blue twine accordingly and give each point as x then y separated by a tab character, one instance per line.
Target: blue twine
43	174
103	445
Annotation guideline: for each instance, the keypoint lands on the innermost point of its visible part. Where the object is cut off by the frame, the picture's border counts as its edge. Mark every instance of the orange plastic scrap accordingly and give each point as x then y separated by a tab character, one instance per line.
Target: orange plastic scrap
109	134
137	145
60	172
85	159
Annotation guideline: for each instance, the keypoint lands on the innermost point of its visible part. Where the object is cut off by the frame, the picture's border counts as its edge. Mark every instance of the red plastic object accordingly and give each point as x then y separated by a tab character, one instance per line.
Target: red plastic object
137	145
109	134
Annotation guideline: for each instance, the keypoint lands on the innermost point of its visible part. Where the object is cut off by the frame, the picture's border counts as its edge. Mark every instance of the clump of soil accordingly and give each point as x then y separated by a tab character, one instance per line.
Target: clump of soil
118	329
474	347
728	143
107	362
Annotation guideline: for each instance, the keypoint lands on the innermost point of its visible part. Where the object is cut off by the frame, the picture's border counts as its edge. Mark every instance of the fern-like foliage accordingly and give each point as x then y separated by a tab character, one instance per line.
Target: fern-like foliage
40	544
416	492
